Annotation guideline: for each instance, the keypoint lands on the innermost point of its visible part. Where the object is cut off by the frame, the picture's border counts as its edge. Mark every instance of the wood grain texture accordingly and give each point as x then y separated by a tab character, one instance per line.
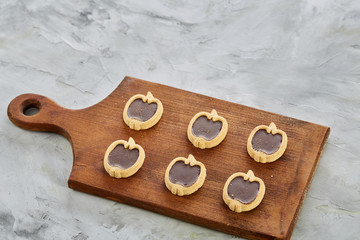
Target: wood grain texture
91	130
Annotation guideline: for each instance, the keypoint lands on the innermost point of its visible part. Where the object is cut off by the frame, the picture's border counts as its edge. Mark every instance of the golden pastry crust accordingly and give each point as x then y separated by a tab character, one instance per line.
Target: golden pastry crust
236	205
178	189
260	156
202	143
124	173
142	125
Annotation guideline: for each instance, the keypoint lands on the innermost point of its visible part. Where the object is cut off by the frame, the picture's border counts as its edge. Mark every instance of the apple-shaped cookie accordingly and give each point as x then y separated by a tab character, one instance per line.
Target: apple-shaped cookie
123	158
243	192
184	176
207	130
142	112
266	143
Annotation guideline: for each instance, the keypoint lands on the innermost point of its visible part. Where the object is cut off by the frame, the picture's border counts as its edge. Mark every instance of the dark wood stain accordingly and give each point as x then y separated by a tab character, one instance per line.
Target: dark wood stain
91	130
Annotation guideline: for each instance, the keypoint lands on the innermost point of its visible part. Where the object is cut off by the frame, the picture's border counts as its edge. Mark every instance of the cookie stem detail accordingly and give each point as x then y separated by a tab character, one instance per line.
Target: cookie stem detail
213	114
190	160
272	128
249	176
149	97
130	143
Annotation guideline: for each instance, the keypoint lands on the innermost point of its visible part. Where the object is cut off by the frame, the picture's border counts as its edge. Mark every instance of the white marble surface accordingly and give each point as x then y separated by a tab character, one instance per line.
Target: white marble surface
297	58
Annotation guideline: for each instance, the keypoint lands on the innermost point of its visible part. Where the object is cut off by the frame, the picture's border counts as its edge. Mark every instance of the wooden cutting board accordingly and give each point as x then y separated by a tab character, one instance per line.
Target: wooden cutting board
91	130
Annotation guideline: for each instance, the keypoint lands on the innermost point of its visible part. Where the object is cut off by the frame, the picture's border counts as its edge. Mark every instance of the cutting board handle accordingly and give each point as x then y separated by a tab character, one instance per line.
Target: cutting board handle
37	113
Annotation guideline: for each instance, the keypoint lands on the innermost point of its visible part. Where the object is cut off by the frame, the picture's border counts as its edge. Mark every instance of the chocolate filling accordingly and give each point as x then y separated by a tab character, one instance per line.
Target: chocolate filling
206	128
184	174
123	157
140	110
243	191
266	142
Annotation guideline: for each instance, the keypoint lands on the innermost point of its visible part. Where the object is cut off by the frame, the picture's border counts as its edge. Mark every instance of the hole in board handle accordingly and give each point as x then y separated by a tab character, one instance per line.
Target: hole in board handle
31	107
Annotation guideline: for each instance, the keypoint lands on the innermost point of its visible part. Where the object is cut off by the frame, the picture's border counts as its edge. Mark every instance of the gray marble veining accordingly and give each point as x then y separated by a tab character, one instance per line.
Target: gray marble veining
297	58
